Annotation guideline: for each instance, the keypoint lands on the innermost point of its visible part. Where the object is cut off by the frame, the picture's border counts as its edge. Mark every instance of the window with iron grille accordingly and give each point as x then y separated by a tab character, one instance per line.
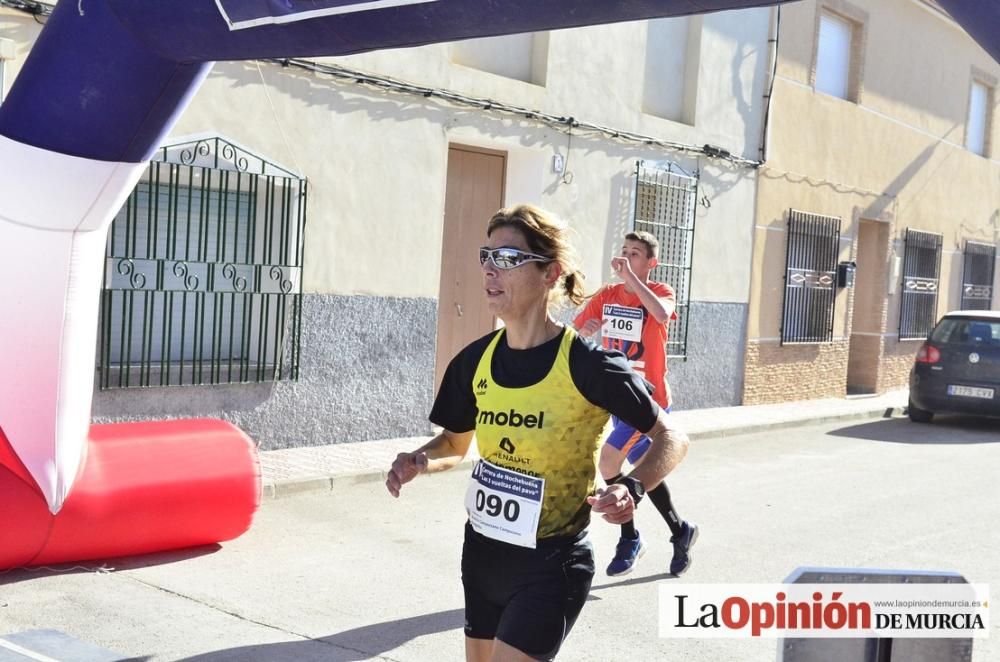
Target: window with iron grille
977	275
811	252
203	272
665	197
921	274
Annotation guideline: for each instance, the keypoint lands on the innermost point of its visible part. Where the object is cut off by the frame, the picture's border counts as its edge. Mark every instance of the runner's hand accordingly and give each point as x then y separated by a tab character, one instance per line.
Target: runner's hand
590	327
620	266
614	503
404	469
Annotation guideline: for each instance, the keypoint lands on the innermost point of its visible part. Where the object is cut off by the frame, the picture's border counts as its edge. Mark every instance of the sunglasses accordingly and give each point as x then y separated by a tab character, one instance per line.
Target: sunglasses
509	258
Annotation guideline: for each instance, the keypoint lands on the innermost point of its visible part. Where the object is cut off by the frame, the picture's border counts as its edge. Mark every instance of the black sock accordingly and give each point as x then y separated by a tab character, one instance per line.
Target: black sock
628	528
660	496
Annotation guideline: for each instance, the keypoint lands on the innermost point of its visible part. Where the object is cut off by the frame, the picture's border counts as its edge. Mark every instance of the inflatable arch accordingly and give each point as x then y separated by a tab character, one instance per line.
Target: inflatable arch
103	85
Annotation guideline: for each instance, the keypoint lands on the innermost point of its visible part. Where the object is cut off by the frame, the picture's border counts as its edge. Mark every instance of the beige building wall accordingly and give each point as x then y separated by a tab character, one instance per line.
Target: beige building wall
895	156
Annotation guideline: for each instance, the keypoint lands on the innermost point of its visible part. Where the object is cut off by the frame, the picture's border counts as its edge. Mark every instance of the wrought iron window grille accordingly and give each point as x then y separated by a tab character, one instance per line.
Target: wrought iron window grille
810	292
921	282
665	205
203	272
977	275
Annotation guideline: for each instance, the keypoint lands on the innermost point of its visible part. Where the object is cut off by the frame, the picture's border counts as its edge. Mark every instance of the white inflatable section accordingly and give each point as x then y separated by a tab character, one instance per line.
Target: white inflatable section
53	228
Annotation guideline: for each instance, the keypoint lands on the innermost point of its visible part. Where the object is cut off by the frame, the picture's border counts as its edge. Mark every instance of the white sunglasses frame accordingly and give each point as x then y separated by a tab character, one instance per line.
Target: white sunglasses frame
490	252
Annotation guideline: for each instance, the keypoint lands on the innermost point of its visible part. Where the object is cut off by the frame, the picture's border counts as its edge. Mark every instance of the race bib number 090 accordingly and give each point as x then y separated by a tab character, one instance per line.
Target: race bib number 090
622	322
504	505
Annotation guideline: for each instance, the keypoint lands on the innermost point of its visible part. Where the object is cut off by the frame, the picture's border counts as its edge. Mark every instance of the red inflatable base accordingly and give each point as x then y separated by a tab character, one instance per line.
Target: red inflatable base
145	487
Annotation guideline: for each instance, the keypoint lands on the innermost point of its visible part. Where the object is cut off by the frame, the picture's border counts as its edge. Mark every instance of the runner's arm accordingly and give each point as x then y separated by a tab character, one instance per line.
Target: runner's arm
607	381
588	322
669	445
660	308
439	454
667	448
446	450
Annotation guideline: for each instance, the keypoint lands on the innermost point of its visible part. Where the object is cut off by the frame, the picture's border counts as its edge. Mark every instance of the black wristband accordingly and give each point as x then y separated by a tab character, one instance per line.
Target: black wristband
634	487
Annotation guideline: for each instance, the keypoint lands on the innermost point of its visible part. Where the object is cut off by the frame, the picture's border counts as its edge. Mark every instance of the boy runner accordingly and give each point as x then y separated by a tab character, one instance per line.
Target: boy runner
633	317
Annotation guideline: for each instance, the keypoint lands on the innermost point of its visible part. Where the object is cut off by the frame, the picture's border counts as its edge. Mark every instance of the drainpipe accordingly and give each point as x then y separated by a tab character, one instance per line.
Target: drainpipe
772	43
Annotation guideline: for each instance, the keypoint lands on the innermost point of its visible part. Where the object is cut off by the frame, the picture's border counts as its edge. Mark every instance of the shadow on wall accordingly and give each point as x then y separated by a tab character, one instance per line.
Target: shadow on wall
715	181
910	172
886	202
361	643
733	25
620	202
344	98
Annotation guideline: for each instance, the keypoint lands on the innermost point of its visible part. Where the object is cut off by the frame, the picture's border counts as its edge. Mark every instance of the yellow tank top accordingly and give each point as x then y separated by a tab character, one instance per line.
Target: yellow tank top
548	430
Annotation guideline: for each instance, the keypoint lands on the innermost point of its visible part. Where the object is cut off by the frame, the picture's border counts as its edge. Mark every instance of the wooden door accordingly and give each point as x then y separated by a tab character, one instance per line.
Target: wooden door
475	191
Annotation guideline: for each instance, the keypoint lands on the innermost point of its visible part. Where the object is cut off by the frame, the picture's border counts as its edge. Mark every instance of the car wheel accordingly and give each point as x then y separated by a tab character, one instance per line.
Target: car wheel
918	415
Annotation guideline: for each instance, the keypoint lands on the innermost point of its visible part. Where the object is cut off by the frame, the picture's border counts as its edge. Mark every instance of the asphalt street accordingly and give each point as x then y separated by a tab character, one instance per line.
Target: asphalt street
356	575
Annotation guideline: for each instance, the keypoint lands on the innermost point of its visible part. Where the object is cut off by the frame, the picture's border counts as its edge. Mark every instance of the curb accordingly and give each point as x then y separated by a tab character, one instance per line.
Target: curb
884	412
277	489
285	488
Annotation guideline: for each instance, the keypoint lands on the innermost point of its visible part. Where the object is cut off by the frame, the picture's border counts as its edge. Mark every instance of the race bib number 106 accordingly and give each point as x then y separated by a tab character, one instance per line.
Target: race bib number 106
504	505
622	322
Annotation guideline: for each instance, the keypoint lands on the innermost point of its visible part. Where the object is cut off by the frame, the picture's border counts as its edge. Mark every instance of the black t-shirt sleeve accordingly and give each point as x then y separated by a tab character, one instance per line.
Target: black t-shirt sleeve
607	380
455	405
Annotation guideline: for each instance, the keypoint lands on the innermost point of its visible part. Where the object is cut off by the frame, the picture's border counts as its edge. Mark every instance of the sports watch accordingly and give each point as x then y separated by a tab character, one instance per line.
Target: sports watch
634	487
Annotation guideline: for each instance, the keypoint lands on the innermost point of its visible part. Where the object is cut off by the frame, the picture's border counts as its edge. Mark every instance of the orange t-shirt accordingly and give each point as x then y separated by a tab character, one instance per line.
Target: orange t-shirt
648	355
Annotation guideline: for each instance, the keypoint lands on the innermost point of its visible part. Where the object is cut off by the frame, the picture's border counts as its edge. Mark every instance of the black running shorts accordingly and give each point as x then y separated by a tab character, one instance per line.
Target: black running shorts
527	598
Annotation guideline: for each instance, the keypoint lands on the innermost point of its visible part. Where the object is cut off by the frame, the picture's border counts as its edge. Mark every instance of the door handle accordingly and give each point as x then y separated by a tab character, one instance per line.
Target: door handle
458	309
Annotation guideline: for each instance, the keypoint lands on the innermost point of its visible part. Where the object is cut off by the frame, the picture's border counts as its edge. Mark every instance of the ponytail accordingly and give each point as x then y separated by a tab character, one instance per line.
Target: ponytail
573	287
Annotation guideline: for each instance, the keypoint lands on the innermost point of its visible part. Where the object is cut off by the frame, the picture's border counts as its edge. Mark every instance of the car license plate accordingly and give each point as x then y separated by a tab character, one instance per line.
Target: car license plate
970	391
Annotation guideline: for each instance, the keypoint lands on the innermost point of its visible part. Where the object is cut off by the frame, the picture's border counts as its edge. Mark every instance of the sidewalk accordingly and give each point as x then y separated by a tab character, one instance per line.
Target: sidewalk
294	470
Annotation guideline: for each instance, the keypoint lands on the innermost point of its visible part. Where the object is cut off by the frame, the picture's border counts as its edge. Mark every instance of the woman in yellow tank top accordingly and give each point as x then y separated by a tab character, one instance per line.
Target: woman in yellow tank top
536	397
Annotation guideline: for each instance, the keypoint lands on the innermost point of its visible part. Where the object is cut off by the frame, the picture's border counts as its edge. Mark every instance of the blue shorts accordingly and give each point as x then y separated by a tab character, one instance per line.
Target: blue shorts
627	439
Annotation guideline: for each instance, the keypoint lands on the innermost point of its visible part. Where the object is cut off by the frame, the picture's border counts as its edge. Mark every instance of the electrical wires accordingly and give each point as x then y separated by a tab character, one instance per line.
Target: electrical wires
568	124
36	9
563	123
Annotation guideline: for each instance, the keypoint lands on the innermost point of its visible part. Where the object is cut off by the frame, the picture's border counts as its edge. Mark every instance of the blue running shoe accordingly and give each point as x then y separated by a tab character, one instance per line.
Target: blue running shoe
683	542
627	553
